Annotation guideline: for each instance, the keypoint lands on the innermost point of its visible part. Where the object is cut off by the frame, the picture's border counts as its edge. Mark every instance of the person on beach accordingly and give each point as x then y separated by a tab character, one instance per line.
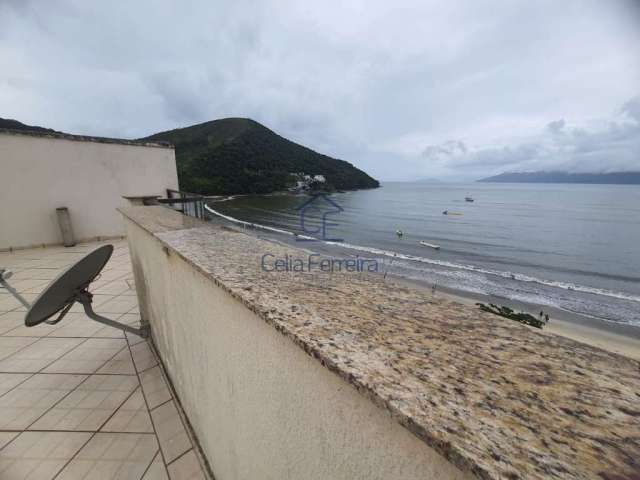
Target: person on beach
546	318
433	289
541	314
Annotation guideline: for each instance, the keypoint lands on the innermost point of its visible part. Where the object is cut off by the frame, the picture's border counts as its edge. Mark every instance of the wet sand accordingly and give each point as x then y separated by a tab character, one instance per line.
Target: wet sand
610	336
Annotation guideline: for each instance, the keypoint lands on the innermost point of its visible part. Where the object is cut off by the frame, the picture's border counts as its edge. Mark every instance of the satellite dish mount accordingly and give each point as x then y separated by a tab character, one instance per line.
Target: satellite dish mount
69	287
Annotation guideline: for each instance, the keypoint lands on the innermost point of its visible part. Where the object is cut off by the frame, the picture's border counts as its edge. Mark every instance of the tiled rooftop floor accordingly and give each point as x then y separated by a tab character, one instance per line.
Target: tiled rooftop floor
80	399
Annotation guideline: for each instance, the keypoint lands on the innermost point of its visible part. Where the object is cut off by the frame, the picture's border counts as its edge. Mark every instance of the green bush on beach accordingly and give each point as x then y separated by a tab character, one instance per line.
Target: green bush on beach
507	312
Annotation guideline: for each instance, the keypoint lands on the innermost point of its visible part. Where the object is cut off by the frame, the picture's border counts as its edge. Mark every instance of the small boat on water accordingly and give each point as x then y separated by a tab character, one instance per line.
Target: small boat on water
430	245
468	199
399	233
447	212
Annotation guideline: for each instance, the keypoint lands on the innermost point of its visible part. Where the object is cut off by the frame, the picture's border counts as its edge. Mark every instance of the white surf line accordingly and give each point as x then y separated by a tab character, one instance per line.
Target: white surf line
509	275
443	263
255	225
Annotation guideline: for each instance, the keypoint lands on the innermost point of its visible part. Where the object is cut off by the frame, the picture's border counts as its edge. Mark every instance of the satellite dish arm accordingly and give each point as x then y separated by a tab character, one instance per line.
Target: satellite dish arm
84	298
13	291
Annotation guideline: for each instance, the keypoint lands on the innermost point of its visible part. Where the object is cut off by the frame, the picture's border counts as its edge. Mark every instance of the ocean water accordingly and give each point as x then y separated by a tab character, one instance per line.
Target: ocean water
574	247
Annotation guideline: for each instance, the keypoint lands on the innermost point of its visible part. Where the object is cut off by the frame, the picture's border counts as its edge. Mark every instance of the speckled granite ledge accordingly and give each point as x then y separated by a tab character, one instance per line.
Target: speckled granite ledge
491	395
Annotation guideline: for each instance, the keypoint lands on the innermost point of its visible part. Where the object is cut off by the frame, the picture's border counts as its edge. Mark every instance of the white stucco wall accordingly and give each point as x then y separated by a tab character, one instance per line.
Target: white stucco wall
39	174
261	407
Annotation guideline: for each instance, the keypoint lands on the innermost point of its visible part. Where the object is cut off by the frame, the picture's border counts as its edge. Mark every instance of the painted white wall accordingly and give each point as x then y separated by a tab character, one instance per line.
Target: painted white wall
39	174
262	408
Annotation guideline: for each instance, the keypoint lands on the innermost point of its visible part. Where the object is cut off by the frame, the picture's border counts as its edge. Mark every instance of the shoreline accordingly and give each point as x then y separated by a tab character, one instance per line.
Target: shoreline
613	337
610	336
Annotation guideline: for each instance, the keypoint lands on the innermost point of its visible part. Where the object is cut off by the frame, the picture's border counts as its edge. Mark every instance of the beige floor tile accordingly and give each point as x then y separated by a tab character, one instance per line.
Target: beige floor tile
157	470
88	357
9	345
8	381
31	262
10	320
21	406
154	386
59	263
107	276
115	287
131	292
119	304
172	435
70	396
11	261
132	319
109	332
38	355
35	273
187	467
132	416
6	437
121	364
89	405
9	302
112	456
31	285
39	455
45	273
38	331
73	325
143	357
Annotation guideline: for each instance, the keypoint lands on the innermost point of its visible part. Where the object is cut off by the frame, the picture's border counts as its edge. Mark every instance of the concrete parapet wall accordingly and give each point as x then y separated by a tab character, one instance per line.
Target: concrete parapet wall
41	173
260	406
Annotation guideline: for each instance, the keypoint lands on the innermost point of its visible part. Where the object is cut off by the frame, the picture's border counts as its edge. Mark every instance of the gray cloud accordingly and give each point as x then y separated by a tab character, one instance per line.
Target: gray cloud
611	146
632	108
556	126
516	84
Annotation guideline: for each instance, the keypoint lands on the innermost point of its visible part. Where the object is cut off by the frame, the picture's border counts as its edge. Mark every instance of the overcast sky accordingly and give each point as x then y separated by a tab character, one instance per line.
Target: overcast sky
402	89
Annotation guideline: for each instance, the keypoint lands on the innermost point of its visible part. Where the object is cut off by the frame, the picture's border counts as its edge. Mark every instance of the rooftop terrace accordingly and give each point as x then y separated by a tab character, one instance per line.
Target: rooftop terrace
79	399
351	357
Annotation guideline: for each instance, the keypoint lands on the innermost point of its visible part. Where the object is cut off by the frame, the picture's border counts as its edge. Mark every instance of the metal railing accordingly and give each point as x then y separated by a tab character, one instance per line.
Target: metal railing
187	203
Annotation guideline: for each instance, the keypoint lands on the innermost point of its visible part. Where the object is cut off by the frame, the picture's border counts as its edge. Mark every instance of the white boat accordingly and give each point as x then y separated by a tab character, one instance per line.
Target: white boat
430	245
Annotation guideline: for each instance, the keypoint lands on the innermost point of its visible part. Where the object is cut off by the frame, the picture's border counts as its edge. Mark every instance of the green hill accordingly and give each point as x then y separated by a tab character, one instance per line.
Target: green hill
11	124
239	155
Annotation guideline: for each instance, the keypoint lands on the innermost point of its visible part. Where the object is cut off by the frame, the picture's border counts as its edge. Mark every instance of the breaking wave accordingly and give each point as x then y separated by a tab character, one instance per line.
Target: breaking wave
402	256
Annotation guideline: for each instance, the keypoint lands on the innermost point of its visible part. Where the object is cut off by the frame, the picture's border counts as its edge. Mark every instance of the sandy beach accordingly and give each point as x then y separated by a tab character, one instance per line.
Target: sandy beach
610	336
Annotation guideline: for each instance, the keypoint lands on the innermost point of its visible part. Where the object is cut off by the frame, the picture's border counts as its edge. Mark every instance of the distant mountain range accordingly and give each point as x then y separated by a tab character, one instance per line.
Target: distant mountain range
619	178
239	155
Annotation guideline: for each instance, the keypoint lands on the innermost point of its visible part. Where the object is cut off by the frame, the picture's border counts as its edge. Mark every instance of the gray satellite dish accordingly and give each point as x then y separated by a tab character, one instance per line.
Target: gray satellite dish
69	287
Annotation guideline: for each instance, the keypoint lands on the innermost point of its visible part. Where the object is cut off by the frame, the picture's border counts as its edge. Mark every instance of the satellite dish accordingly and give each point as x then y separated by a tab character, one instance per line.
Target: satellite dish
69	287
63	290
